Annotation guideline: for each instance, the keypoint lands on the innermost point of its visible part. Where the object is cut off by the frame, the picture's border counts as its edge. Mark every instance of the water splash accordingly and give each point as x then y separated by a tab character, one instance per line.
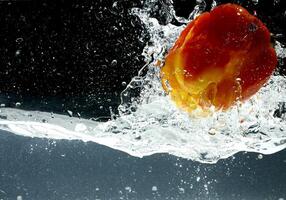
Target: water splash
149	122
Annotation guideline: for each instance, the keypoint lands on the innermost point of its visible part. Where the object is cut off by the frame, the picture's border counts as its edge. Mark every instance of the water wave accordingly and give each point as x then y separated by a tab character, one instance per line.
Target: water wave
149	122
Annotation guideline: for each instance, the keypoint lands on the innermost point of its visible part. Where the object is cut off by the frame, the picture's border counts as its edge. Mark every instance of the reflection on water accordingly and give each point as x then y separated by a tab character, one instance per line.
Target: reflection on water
148	122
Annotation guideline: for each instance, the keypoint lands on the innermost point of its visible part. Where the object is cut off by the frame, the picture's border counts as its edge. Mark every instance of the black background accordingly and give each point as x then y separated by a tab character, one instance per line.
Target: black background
57	55
61	53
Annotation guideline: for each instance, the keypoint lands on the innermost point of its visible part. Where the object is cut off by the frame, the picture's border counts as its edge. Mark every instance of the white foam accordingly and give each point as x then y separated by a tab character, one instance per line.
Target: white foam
159	127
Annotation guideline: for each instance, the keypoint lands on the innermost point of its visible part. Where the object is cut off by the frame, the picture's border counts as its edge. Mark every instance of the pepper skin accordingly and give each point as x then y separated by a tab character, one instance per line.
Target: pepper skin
222	56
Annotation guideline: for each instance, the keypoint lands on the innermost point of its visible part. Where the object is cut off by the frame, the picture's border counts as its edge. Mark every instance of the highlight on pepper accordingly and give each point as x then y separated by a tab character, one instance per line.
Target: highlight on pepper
221	57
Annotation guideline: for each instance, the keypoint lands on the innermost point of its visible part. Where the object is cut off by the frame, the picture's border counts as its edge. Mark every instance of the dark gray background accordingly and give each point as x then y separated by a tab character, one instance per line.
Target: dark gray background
40	169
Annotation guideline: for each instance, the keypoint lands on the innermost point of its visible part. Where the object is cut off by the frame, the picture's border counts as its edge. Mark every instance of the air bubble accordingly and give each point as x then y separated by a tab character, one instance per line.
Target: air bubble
260	156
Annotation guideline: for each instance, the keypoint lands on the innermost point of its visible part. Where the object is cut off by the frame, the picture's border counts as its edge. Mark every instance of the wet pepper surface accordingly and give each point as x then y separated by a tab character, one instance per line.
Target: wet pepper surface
222	56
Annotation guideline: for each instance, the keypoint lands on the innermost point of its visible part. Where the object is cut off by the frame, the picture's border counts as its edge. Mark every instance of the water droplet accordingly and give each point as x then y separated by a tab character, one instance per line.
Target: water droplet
113	63
19	40
255	2
78	115
154	188
19	197
252	27
276	2
128	189
114	5
69	113
17	53
260	156
212	131
181	190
